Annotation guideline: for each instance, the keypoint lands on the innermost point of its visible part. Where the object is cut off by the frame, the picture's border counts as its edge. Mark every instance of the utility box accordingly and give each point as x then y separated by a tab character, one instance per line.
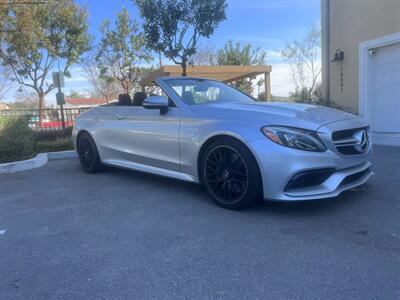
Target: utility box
58	79
60	98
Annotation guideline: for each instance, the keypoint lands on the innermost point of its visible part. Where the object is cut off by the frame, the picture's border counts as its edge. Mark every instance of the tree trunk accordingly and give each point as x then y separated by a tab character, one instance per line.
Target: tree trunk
125	86
310	91
41	107
159	57
184	65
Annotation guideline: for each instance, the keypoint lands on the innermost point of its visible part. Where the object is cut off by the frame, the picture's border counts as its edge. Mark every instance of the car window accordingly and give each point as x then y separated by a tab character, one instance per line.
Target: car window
157	91
203	91
199	97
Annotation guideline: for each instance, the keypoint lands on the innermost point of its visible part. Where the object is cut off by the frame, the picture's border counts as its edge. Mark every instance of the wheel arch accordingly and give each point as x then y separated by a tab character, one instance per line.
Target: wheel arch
82	131
214	138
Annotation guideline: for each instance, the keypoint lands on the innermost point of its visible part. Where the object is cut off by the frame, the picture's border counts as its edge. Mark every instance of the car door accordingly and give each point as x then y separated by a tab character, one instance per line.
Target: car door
133	134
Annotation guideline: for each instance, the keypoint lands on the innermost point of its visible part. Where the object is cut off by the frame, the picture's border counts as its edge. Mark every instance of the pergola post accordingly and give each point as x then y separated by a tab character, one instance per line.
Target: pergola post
267	85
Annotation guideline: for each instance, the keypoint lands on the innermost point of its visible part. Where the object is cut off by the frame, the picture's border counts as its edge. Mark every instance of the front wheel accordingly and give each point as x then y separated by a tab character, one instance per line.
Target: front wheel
88	154
231	175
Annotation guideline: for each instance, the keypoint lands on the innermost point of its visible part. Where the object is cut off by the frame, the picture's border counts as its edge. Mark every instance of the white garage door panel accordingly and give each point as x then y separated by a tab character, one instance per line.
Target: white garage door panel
386	117
385	73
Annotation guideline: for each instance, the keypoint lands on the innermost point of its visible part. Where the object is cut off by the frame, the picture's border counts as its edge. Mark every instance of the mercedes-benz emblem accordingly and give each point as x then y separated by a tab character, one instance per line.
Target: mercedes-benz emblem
225	174
362	138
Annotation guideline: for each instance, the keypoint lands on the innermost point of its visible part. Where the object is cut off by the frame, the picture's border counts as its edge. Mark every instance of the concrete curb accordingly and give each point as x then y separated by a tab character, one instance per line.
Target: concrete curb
62	155
38	161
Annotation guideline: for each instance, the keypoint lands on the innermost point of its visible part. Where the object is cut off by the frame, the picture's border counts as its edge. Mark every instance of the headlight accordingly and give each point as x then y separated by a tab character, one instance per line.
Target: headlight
296	138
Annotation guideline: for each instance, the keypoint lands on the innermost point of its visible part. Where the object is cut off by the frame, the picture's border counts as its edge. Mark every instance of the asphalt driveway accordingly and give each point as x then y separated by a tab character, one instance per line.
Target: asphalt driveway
119	234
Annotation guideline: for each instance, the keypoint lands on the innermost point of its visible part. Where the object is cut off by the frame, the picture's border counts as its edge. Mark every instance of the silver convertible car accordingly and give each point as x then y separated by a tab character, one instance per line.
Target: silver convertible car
240	149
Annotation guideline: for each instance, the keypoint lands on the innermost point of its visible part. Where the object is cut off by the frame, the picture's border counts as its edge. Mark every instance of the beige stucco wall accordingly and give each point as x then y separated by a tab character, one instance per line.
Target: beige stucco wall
347	24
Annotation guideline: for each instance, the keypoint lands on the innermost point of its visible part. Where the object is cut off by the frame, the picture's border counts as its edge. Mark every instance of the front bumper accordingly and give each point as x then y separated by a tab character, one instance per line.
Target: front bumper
279	165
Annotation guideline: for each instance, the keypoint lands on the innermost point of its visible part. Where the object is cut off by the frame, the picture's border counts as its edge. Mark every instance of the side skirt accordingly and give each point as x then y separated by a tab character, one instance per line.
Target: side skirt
150	169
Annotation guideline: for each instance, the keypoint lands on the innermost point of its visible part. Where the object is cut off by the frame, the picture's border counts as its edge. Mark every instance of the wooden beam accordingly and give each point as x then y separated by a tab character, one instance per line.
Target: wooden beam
219	69
152	76
242	76
225	73
267	85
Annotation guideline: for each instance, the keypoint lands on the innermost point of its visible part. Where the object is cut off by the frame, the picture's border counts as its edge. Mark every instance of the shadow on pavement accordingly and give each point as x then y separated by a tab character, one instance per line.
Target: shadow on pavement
299	208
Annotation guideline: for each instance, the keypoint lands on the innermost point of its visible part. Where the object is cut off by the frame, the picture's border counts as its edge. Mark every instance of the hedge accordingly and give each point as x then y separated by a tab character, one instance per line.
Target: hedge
17	140
53	135
54	145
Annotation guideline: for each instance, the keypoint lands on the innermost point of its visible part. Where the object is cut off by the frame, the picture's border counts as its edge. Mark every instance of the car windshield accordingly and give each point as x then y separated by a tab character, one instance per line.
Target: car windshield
203	91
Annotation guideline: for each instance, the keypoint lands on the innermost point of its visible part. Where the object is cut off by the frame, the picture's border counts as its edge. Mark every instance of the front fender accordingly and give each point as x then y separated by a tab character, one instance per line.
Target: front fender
193	138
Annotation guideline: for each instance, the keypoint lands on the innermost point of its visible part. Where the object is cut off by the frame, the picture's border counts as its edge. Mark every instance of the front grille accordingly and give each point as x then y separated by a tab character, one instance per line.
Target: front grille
351	141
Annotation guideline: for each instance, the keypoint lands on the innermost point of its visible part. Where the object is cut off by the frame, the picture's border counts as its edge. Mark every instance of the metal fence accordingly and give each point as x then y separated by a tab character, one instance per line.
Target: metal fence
51	117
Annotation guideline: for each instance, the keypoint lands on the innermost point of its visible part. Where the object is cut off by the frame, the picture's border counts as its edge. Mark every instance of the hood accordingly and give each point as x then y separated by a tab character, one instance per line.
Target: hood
277	113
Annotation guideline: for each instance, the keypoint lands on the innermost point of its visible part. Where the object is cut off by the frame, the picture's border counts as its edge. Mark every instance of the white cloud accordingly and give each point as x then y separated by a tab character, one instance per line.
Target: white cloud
280	83
273	54
273	57
75	79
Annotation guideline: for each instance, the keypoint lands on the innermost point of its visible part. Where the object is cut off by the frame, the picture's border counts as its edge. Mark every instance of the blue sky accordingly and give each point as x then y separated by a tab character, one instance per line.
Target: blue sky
263	23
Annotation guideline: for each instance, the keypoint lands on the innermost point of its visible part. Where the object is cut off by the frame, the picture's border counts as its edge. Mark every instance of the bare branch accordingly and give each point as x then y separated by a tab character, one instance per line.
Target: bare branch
304	70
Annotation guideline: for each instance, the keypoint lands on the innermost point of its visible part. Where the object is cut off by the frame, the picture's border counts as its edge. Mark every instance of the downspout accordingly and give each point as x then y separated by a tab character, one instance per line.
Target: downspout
325	16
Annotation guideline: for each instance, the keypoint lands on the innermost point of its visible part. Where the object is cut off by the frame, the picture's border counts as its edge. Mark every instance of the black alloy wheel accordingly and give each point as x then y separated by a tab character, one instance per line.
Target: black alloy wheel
230	174
226	174
88	154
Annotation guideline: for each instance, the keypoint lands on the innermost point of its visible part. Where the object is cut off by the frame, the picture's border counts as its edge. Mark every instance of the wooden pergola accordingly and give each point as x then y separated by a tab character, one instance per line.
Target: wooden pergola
222	73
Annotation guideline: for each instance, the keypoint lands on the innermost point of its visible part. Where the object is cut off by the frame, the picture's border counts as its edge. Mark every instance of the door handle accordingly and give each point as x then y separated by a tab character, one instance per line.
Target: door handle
120	117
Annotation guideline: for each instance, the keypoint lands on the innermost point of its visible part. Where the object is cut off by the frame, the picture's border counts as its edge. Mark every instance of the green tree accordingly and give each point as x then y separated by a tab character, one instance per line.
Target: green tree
303	56
36	36
238	54
122	51
3	12
75	94
300	95
175	26
100	87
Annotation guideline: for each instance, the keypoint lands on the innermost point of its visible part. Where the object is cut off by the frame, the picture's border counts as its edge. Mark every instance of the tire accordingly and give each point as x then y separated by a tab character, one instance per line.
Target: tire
88	155
231	175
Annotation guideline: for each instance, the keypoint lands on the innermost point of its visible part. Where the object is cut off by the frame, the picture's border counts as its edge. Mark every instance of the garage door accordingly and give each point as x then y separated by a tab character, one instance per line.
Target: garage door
385	82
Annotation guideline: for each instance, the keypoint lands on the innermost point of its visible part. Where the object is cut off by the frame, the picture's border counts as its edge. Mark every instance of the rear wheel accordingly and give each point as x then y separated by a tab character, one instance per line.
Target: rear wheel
230	174
88	154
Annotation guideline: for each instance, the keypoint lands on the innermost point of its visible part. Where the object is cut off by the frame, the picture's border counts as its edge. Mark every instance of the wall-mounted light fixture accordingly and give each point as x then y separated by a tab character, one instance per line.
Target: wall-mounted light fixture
339	55
371	52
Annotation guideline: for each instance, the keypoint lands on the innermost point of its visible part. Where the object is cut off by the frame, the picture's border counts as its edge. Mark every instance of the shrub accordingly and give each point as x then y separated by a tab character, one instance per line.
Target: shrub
16	139
53	146
52	135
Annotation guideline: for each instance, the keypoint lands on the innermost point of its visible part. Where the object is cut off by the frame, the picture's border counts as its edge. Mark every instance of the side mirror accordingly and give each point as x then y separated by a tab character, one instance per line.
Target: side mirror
156	102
